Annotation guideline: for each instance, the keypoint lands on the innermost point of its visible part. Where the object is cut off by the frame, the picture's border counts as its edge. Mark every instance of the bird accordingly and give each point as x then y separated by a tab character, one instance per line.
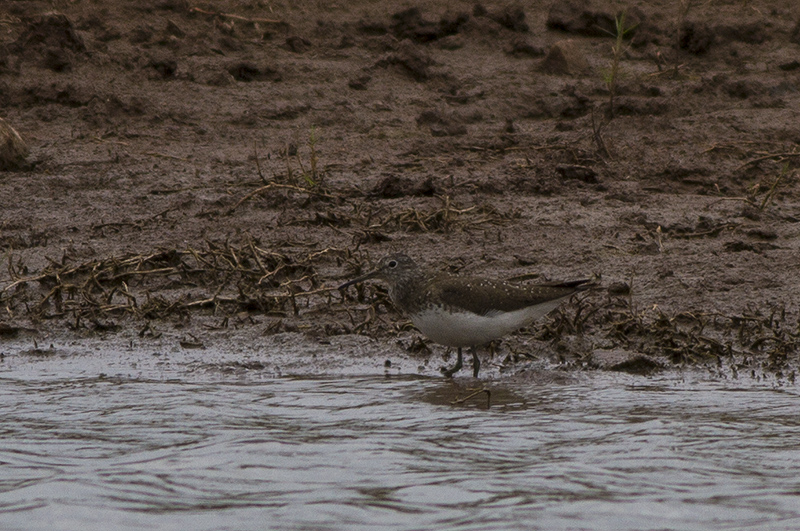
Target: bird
460	312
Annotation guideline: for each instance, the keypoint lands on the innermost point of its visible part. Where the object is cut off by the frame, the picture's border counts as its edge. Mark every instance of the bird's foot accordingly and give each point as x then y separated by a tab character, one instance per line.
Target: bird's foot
448	373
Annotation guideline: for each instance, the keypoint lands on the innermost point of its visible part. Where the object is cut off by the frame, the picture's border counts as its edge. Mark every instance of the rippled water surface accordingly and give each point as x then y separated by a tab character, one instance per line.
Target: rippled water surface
216	451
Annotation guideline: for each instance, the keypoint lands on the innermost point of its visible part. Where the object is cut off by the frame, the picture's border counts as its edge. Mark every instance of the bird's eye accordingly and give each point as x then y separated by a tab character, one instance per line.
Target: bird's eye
392	264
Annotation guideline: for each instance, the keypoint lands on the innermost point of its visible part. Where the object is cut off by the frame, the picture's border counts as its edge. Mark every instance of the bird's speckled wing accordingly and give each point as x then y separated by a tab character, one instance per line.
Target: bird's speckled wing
488	296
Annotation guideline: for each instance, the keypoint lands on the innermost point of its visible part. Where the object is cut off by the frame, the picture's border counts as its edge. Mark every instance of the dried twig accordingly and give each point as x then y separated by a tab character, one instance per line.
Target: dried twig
459	401
280	187
778	156
235	17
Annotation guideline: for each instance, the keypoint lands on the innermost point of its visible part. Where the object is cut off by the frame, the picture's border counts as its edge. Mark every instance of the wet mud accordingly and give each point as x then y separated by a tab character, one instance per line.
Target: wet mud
206	172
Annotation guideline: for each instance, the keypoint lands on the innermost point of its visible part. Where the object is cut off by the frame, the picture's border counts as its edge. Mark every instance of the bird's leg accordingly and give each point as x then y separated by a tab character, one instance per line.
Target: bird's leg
448	373
476	362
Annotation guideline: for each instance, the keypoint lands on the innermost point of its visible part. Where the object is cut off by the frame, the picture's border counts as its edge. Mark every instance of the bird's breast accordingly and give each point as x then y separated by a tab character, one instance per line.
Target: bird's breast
461	328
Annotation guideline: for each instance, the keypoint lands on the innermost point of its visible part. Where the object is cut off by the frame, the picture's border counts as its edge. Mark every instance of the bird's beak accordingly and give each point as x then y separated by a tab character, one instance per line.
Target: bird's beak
362	278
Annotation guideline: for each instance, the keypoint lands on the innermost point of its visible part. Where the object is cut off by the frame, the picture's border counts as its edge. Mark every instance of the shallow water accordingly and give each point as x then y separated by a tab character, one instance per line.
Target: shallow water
207	450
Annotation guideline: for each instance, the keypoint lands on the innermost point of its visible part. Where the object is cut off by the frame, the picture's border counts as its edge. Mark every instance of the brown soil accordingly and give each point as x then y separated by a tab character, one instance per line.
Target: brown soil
201	167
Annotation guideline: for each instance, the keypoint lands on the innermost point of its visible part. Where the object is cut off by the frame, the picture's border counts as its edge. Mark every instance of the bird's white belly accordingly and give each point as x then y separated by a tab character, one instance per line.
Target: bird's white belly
466	329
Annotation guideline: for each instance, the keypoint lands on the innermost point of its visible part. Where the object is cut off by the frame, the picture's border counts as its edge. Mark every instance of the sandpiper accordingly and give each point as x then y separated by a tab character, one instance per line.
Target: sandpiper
465	311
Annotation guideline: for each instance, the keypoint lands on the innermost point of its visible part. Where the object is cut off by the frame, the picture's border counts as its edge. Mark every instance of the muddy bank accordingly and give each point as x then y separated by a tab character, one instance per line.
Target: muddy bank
200	168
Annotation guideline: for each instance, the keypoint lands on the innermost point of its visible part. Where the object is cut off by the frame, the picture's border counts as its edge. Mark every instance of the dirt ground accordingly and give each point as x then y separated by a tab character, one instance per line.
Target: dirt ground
201	168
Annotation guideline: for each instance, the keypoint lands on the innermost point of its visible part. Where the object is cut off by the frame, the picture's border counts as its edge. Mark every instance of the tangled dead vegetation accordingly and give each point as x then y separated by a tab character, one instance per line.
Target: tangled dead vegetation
755	341
224	277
